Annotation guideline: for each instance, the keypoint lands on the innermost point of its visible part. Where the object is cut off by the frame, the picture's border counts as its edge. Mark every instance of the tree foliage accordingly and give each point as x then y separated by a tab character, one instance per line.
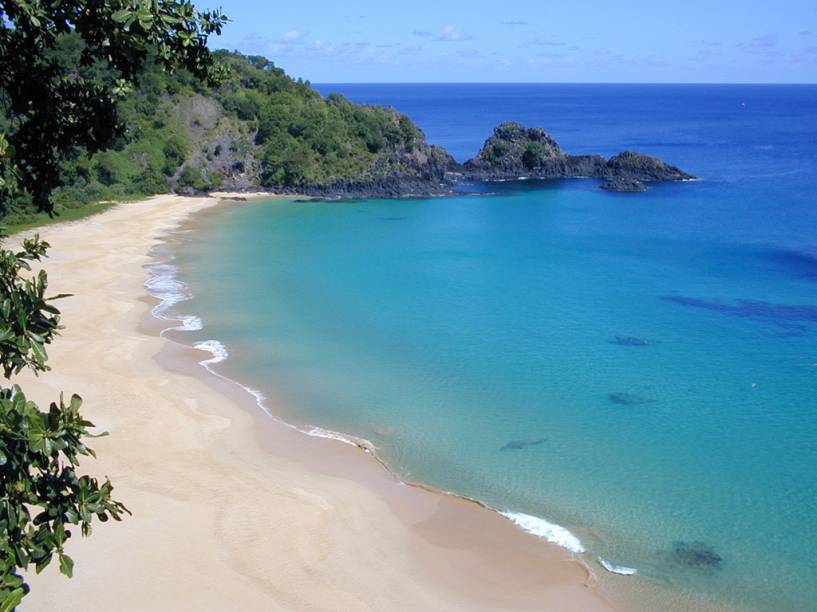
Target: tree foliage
42	495
55	106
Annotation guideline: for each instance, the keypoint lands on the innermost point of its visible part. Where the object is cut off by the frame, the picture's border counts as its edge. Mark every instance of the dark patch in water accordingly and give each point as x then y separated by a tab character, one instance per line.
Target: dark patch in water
392	218
520	444
630	341
803	264
696	554
785	315
628	399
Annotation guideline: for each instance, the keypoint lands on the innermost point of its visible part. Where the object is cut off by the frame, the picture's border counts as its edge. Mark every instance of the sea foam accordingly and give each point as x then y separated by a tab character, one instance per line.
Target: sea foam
551	532
169	290
215	348
622	570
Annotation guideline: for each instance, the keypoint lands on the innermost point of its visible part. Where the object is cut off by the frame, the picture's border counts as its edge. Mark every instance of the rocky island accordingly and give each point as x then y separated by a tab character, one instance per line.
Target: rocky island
514	151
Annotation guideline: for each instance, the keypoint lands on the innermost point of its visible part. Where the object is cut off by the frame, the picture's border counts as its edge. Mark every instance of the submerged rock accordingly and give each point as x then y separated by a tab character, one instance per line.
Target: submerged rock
631	341
624	185
628	399
520	444
696	554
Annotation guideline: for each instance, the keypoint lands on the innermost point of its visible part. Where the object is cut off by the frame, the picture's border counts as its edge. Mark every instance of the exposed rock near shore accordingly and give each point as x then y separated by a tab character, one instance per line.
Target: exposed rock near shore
514	151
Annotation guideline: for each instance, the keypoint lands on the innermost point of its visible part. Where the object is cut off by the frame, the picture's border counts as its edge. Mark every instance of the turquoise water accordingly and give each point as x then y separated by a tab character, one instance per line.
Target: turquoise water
641	369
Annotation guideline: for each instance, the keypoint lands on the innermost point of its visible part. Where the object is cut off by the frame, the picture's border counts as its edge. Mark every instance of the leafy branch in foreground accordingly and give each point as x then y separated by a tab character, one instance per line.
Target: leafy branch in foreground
40	492
43	494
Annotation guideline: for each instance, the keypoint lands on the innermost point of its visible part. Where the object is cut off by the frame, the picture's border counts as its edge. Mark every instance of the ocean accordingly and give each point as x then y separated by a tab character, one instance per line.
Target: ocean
631	376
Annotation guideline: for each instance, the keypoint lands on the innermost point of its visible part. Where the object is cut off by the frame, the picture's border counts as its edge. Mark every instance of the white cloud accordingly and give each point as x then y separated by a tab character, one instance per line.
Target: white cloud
293	37
452	34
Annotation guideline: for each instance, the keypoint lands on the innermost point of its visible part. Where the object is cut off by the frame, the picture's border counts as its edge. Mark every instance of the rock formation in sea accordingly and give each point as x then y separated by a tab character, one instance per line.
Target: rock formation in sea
514	151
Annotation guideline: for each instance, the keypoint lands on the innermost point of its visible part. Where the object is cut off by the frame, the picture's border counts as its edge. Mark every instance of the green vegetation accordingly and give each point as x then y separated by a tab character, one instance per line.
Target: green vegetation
31	220
258	128
63	65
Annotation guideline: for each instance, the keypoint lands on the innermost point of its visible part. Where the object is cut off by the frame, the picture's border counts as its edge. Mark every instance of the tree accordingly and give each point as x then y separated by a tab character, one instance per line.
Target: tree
57	108
50	109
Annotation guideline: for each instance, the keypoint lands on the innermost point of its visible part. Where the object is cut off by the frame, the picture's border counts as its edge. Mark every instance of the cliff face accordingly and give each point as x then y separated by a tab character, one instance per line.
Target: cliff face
418	170
514	151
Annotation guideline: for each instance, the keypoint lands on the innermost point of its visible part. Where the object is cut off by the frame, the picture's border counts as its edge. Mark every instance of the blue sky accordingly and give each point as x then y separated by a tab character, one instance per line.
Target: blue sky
653	41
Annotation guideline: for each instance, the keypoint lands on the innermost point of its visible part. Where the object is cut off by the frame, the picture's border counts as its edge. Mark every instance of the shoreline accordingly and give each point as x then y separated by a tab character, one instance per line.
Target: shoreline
364	539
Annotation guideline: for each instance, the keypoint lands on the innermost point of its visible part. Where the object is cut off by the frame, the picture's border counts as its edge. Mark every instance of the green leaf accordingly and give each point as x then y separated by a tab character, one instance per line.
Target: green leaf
121	15
12	601
39	352
66	565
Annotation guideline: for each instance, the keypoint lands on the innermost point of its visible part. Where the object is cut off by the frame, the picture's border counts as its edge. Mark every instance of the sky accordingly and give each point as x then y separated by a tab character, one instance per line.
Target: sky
643	41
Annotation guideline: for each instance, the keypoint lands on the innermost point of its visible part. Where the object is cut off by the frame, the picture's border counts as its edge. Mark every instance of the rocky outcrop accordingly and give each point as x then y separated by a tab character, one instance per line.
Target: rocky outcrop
629	185
514	151
420	169
635	166
415	171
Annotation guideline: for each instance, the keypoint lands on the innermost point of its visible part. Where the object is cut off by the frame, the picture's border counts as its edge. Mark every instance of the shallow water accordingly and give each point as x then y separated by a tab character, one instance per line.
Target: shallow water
637	369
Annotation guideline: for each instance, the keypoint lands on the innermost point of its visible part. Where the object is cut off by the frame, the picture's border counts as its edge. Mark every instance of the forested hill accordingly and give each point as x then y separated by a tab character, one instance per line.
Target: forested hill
259	128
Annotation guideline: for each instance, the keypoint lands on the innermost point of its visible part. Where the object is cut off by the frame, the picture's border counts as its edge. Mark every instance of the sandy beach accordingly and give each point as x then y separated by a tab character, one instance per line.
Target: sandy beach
232	510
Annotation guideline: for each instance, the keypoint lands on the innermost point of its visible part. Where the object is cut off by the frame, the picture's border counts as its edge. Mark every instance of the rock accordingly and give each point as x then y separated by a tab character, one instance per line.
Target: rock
635	166
696	554
421	169
514	151
625	185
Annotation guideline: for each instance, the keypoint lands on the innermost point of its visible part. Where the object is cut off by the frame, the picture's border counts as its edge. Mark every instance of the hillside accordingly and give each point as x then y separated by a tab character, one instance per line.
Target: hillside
259	129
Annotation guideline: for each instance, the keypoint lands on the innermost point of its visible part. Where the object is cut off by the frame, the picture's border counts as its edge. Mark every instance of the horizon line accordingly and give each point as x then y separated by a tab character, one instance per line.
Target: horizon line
741	83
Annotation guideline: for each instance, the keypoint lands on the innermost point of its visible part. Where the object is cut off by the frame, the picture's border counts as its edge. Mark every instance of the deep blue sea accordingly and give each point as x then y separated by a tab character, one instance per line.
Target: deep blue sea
636	371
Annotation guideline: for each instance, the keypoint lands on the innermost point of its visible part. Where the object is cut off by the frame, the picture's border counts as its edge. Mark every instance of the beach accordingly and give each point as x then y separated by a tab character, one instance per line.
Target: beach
231	508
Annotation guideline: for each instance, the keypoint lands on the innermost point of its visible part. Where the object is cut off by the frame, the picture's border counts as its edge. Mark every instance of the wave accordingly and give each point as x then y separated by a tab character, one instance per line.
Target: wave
328	434
553	533
621	570
215	348
170	291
